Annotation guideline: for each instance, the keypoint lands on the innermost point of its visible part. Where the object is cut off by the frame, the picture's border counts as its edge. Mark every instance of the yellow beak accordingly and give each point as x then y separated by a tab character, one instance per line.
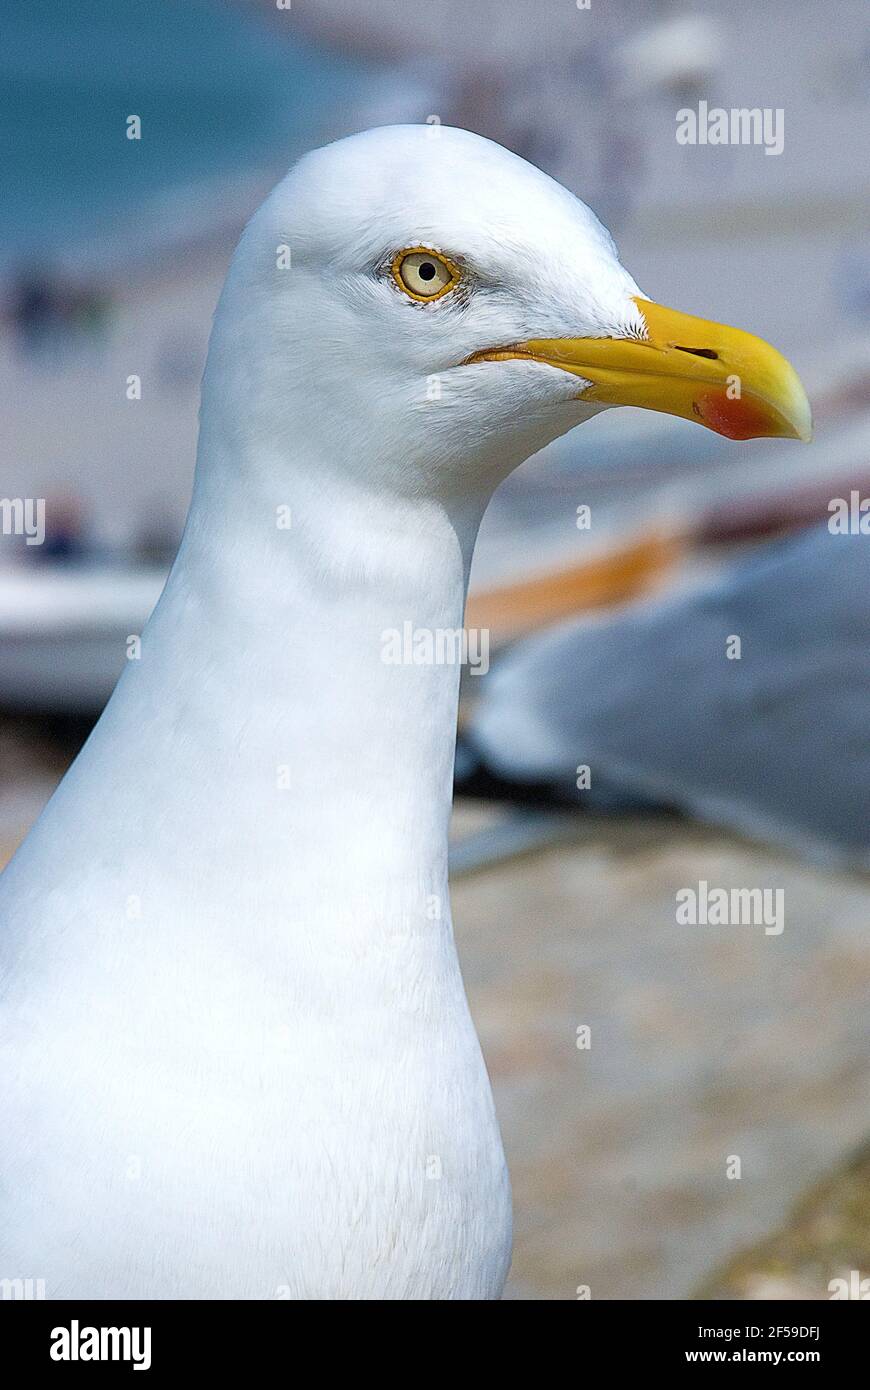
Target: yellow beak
728	380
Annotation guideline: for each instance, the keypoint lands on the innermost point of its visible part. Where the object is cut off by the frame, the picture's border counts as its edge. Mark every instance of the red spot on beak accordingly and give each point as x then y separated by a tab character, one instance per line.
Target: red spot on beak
736	419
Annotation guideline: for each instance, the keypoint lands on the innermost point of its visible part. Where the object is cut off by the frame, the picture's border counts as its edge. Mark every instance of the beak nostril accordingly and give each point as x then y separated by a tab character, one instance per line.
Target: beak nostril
698	352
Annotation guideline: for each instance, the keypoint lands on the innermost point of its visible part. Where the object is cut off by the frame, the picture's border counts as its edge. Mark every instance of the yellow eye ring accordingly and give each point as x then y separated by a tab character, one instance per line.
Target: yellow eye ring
424	274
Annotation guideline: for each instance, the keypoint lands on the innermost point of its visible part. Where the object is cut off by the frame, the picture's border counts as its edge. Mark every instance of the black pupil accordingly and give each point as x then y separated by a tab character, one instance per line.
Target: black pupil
427	271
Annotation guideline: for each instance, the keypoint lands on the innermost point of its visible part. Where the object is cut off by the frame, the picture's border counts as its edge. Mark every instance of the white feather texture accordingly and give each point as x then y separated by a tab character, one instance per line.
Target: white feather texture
236	1057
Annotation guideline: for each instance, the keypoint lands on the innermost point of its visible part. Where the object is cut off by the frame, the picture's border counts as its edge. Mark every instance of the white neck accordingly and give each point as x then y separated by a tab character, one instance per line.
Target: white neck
315	753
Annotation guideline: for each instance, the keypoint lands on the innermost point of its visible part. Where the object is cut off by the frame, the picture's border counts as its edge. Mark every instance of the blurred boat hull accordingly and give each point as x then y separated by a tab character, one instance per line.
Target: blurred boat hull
64	634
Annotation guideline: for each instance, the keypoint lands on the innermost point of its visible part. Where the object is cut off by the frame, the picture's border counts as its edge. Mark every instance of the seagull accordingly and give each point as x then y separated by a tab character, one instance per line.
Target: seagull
662	706
237	1058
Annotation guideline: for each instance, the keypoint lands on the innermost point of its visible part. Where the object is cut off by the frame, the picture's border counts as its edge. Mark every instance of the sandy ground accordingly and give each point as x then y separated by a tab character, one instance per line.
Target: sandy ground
706	1043
824	1240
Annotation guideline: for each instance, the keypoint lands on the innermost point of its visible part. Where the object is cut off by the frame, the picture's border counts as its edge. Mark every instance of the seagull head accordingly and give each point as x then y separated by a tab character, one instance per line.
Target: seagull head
431	309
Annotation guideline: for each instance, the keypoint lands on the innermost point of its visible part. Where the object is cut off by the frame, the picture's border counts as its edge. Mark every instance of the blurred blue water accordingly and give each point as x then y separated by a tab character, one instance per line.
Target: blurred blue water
216	90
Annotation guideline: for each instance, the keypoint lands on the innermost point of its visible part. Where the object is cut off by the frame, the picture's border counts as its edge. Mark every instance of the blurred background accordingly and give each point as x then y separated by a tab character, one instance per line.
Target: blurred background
615	754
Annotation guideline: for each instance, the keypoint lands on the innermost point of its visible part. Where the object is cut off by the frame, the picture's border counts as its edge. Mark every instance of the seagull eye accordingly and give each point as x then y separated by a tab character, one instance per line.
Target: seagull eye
424	274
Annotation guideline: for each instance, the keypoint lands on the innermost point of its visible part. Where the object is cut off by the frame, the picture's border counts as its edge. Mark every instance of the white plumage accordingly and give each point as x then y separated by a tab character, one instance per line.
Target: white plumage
237	1059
